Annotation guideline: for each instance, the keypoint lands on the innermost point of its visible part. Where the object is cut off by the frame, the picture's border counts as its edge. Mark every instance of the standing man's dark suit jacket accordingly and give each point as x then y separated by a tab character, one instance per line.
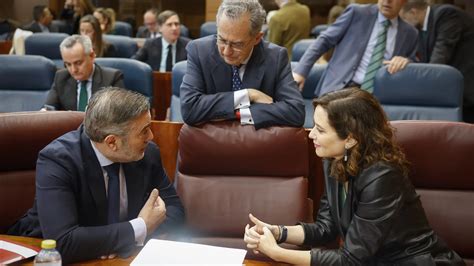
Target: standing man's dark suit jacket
206	92
349	34
63	93
71	202
450	40
151	51
143	32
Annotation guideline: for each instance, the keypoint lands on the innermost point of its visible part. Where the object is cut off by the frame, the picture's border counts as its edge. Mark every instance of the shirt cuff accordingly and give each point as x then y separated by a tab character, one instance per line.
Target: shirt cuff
139	228
241	99
246	116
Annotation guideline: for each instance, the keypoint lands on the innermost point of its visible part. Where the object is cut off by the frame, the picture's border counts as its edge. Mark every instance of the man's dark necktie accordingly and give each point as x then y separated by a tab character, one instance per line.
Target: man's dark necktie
83	97
236	81
169	59
113	193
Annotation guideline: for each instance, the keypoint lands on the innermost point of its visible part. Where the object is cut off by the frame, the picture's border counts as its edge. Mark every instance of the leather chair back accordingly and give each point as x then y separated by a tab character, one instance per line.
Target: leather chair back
208	28
226	171
46	44
299	48
25	82
125	46
137	76
421	92
122	28
22	136
179	69
441	155
309	88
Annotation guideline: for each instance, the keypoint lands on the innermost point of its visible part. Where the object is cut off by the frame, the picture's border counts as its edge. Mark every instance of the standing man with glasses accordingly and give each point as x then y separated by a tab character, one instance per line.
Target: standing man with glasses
163	52
365	38
74	86
237	75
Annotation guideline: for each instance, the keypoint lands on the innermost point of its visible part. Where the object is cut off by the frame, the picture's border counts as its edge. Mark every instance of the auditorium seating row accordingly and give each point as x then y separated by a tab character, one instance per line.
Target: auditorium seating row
421	91
272	172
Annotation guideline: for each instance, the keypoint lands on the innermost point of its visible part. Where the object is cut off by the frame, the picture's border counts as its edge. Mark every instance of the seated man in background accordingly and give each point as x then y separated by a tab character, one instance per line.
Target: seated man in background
73	87
151	29
101	189
289	24
163	52
364	37
42	20
446	37
237	75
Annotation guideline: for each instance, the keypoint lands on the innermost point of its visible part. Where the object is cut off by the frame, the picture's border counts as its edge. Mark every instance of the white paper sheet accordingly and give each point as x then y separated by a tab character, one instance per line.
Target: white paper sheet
164	252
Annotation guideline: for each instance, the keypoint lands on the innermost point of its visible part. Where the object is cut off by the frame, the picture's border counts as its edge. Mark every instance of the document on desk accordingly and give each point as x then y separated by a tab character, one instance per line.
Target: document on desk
165	252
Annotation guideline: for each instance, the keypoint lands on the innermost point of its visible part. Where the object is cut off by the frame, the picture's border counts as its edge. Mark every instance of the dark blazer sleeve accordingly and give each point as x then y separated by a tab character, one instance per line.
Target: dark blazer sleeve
380	197
448	30
142	53
56	174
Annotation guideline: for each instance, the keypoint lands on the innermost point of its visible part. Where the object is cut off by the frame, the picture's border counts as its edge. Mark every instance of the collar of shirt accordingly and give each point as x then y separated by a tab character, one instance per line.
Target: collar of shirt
425	22
244	65
393	22
165	44
103	161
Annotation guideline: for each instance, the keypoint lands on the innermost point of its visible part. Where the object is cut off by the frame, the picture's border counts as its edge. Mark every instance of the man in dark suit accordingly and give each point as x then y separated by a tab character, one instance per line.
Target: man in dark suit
151	29
42	18
237	75
74	86
355	35
163	52
101	189
446	37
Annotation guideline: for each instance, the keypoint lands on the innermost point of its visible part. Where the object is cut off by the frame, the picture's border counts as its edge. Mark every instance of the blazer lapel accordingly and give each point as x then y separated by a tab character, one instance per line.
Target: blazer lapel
94	176
365	34
222	72
134	176
96	79
253	75
70	96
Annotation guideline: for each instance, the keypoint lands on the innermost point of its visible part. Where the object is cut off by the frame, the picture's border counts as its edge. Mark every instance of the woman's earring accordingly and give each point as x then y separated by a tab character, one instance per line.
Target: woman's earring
345	155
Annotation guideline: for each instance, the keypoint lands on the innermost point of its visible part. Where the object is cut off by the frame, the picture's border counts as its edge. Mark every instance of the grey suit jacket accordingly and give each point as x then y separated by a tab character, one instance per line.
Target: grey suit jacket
63	93
35	27
150	53
350	35
450	40
206	92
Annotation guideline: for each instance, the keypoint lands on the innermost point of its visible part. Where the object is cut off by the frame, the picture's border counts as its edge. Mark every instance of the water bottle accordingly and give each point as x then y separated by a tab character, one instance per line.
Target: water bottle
48	256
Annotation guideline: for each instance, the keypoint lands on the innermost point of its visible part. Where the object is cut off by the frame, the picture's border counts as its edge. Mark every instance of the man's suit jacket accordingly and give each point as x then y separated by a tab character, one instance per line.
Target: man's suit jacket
289	24
350	34
63	93
206	92
450	40
35	27
71	201
381	222
143	32
151	51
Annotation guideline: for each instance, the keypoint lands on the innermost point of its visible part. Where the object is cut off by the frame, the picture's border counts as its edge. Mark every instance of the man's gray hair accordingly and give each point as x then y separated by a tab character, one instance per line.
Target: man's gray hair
70	41
234	9
110	111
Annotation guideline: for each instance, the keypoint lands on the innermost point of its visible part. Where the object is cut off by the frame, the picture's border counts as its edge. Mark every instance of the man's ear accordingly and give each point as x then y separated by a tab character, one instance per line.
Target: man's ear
111	142
258	37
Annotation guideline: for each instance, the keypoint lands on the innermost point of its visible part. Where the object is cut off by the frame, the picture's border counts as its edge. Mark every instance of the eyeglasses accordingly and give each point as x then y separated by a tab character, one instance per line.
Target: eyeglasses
236	46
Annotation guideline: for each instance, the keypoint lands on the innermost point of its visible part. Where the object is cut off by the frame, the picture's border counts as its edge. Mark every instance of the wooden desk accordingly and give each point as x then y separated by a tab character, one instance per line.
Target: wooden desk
161	94
116	261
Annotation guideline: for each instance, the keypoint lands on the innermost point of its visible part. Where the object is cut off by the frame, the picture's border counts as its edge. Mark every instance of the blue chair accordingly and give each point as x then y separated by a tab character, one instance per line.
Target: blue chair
137	75
125	47
123	28
208	28
299	48
318	29
179	69
25	82
309	88
421	92
47	45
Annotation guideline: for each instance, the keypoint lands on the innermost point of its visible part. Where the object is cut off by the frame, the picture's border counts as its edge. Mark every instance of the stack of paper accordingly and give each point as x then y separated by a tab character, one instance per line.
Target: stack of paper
164	252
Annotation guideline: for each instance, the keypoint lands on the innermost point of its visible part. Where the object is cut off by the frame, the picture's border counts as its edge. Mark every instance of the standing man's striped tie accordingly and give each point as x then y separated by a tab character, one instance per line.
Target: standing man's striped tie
376	59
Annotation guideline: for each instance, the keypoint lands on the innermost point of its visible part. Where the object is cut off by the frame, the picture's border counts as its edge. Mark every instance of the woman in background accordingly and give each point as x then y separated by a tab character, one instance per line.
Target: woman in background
369	201
89	26
106	18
